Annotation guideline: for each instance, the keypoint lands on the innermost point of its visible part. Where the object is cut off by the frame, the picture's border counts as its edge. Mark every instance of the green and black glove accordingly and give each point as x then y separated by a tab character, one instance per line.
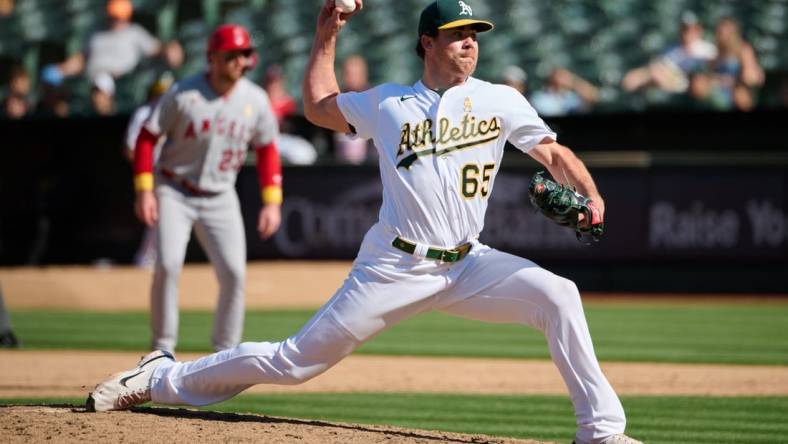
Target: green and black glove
563	206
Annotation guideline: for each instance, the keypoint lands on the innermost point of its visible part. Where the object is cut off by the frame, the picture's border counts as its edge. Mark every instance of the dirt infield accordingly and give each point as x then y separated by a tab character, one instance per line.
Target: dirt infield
280	284
41	374
74	373
65	424
276	284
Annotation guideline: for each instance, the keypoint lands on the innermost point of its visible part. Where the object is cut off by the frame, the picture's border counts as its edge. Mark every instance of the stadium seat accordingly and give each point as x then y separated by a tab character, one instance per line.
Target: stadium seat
10	43
598	40
42	19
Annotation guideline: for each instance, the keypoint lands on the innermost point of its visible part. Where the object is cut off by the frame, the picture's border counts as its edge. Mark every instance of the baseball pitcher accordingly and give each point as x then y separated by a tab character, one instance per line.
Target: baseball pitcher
209	121
440	144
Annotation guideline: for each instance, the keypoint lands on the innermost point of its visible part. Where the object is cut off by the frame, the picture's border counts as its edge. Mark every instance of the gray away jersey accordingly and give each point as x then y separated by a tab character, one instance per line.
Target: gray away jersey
439	154
208	135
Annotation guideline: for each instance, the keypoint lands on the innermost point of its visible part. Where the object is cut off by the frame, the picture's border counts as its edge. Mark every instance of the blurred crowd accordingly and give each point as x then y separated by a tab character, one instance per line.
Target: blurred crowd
723	75
714	69
110	54
694	72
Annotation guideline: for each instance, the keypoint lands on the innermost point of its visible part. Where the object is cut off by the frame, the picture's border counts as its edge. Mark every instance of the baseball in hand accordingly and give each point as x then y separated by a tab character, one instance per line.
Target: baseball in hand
346	6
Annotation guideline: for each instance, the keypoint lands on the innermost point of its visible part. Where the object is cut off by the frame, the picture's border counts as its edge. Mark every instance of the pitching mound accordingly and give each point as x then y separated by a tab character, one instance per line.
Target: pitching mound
69	424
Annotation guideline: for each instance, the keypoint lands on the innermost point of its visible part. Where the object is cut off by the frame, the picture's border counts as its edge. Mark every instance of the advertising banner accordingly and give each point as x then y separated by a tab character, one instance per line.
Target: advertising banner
676	214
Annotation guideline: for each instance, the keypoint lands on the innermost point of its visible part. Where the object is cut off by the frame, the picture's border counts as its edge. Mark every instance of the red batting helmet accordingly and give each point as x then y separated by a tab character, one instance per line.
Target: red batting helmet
229	38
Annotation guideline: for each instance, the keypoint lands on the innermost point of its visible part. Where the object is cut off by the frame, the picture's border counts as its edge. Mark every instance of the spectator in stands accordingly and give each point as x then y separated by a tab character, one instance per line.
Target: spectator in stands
355	74
170	61
566	93
116	50
6	8
515	77
19	81
735	71
293	149
172	56
670	72
54	97
354	77
700	93
102	95
282	102
17	103
15	107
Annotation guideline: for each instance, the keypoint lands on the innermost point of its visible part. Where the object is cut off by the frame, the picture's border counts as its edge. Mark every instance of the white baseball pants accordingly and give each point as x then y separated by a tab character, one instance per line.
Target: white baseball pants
386	286
219	228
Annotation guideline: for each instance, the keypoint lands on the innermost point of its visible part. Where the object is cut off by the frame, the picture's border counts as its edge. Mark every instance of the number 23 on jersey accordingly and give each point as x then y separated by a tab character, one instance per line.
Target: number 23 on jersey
232	159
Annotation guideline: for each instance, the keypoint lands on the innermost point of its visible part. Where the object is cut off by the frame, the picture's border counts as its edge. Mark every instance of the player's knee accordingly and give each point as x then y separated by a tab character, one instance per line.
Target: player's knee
293	374
237	276
270	363
292	366
570	304
296	375
563	298
233	276
169	267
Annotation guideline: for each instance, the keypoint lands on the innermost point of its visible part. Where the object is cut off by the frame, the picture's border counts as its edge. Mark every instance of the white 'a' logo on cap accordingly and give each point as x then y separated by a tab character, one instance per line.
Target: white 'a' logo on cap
466	10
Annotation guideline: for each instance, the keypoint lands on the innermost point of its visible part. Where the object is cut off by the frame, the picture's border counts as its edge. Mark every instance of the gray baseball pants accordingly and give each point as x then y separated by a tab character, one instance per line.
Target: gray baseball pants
219	228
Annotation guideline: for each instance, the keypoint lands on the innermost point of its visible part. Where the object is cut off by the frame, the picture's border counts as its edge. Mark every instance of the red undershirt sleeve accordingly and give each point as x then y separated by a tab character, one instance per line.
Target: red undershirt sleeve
269	173
143	160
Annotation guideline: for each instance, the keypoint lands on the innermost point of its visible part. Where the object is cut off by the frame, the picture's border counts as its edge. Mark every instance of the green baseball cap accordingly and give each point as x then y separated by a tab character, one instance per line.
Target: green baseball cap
447	14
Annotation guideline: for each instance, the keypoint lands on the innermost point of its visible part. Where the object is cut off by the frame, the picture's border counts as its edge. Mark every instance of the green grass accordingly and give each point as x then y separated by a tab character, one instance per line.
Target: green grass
655	420
734	334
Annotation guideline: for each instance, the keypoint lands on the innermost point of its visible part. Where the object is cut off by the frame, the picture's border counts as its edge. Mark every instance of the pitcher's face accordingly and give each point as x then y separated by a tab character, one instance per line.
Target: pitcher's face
456	50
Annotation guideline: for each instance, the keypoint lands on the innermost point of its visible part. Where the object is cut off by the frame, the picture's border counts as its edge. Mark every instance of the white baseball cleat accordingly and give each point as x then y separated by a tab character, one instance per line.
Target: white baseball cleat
127	389
615	439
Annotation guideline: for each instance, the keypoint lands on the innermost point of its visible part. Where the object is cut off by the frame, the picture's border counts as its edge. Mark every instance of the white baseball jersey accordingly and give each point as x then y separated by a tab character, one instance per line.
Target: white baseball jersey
439	154
137	121
207	134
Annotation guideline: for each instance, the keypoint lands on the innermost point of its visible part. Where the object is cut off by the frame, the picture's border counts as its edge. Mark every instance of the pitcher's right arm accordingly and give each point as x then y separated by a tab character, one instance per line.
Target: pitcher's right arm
320	87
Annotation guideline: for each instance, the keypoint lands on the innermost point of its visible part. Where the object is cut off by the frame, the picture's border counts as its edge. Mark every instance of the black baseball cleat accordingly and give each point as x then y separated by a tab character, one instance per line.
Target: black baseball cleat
129	388
8	340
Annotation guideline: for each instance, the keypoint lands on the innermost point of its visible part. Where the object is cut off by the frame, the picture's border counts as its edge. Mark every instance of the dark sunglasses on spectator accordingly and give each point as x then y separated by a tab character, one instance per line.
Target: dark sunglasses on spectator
232	55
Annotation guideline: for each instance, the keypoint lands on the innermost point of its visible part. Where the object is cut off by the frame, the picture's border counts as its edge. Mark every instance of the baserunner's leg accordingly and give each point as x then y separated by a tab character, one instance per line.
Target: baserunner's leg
220	230
174	227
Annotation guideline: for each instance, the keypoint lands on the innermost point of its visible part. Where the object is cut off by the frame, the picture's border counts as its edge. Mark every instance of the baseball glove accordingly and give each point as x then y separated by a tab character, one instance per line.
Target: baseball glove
563	206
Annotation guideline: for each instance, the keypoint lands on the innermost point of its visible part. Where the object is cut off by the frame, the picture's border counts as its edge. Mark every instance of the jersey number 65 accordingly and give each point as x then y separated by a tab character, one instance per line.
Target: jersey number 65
475	179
